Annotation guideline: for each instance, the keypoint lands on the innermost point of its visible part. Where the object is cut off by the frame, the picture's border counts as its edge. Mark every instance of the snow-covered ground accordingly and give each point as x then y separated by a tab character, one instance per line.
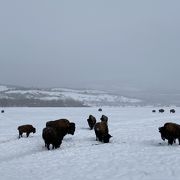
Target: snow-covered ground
136	150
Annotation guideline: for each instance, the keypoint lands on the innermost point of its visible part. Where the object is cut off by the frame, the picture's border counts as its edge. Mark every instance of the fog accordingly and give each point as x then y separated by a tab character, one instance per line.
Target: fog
90	44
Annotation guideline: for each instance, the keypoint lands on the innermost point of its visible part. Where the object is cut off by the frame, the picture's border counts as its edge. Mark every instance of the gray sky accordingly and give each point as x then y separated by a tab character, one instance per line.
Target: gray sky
90	43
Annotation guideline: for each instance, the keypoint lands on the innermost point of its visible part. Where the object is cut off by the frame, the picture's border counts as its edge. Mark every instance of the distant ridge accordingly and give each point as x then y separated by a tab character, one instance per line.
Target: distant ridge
16	96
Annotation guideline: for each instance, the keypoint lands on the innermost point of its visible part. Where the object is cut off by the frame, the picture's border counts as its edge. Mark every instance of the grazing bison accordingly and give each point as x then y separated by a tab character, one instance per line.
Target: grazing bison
62	126
172	110
102	132
161	110
26	129
91	121
50	136
104	118
171	132
153	111
2	111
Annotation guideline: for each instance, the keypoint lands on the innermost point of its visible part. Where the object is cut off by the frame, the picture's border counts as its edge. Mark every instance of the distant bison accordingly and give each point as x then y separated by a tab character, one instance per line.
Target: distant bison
153	111
100	109
91	121
161	110
26	129
171	132
62	126
2	111
104	118
102	132
172	110
50	136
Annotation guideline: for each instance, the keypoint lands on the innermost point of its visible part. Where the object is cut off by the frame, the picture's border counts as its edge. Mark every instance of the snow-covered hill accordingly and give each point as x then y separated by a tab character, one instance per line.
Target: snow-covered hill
83	97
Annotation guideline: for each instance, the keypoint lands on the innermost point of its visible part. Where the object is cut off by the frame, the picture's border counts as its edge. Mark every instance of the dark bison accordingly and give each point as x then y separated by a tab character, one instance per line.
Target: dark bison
100	109
153	111
2	111
171	132
62	126
172	111
26	129
91	121
102	132
161	110
104	118
50	136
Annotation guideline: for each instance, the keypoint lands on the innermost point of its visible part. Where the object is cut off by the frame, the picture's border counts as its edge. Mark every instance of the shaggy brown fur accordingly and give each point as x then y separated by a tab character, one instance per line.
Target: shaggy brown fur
102	132
26	129
62	126
50	137
91	121
171	132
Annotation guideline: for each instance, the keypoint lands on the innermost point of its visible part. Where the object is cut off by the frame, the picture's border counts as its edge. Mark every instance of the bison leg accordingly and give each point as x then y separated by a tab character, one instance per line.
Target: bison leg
48	146
170	141
179	140
20	134
27	134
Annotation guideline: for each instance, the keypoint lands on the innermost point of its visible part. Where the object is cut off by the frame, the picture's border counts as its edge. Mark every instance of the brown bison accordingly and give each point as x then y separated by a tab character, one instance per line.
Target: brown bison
161	110
102	132
62	126
100	109
171	132
50	136
104	118
26	129
172	110
91	121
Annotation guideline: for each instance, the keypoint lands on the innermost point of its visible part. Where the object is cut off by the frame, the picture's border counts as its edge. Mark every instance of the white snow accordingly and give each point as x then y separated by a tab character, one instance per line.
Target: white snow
3	88
136	150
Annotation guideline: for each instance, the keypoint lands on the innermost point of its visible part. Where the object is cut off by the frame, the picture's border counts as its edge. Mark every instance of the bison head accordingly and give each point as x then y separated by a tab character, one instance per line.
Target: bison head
106	138
72	128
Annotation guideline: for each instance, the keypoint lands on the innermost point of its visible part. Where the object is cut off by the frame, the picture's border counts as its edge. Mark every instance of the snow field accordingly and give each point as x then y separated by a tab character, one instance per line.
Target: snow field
135	151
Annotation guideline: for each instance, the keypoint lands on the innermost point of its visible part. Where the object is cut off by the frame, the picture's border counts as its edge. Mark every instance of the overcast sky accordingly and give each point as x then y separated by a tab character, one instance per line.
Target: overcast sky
90	43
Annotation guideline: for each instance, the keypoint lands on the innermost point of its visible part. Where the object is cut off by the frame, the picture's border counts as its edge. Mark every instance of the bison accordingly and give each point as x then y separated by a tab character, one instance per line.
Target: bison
161	110
100	109
62	126
28	128
91	121
153	111
171	132
104	118
102	132
50	136
172	110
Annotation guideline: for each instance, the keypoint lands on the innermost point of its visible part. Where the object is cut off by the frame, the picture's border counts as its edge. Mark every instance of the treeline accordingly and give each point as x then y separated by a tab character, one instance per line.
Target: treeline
39	103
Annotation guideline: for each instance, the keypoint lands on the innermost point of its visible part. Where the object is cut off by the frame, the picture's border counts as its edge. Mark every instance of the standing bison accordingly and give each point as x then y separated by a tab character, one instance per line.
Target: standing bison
171	132
26	129
50	136
102	132
62	127
172	110
91	121
161	110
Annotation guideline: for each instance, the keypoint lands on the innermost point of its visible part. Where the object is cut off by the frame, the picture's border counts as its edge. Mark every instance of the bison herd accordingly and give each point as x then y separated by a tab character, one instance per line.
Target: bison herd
55	130
162	110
